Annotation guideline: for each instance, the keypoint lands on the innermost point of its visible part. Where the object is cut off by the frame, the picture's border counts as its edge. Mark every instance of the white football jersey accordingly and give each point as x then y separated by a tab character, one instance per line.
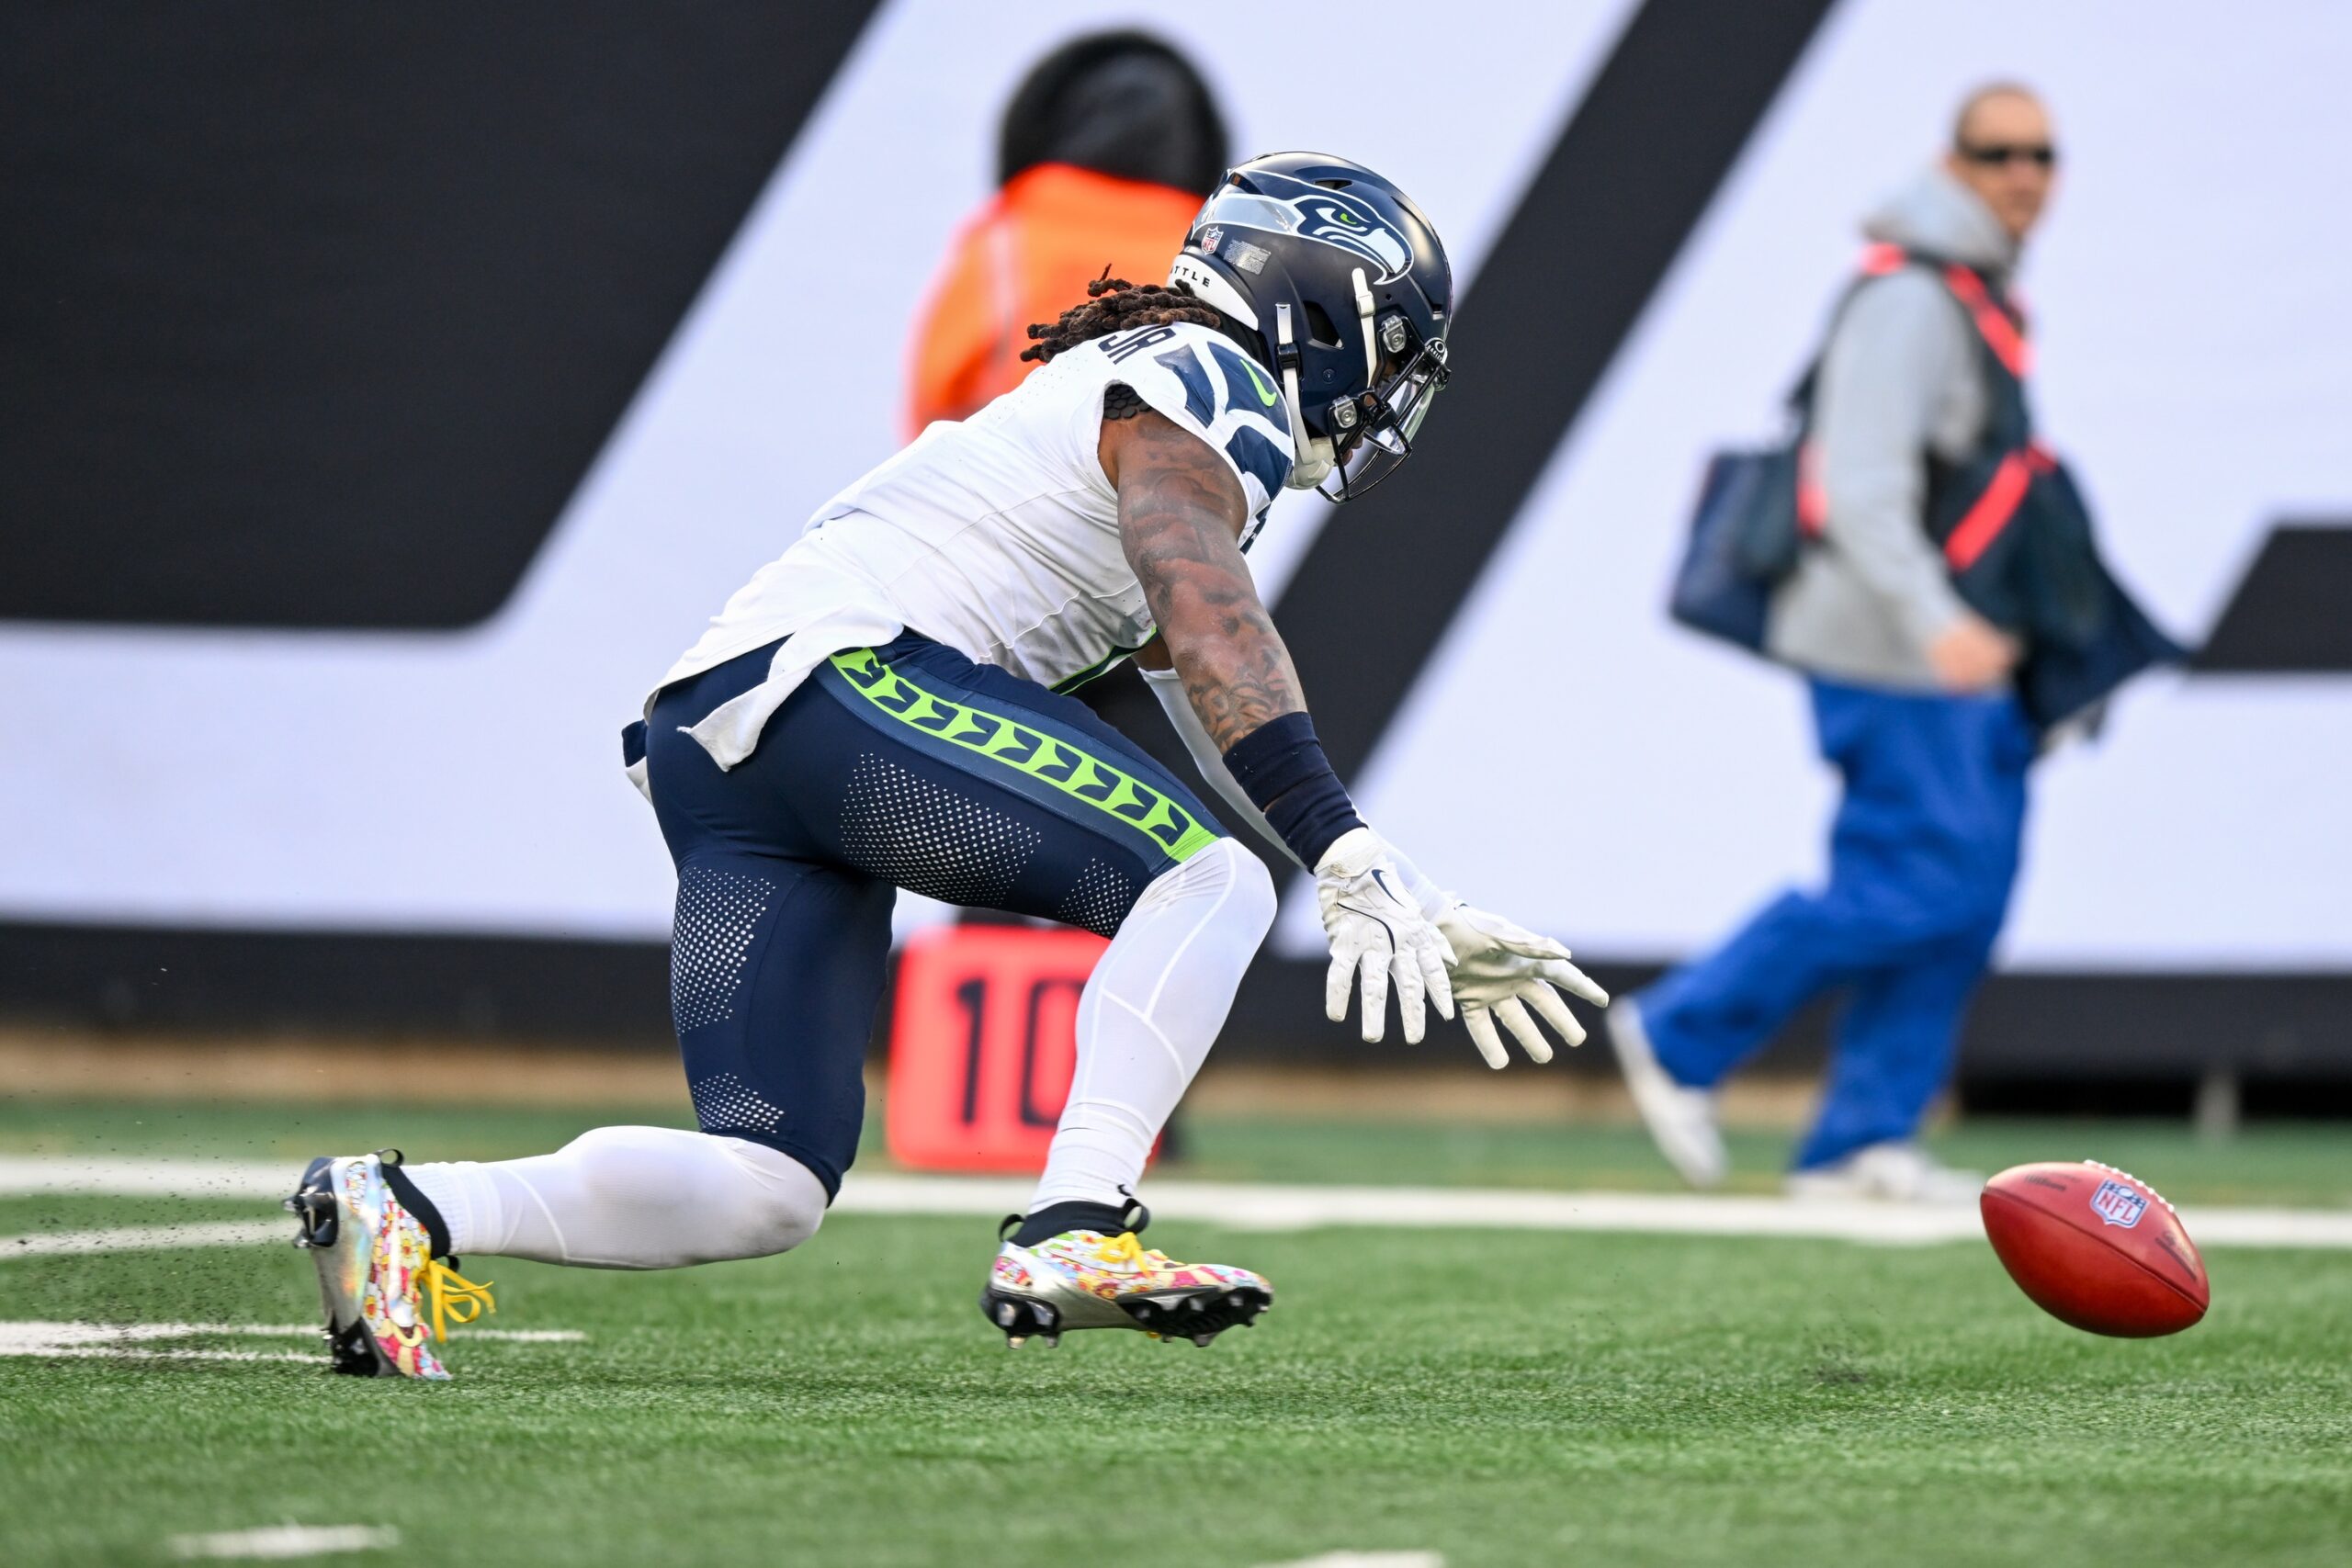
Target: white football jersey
998	535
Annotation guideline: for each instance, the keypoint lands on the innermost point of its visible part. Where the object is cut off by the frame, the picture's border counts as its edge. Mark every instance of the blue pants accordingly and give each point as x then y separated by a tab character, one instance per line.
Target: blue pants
902	766
1922	857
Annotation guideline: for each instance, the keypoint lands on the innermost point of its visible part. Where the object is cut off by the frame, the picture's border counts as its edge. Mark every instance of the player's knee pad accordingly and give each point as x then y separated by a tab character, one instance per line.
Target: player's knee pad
1223	871
782	1201
1253	899
709	1198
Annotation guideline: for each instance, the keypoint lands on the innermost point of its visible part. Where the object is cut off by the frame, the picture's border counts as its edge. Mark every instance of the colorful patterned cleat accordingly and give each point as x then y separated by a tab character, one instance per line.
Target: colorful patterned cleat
1086	1279
377	1276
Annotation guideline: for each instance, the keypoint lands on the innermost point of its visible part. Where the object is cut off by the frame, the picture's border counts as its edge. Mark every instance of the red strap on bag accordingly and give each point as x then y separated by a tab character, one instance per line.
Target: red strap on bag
1998	505
1879	260
1813	499
2005	335
2001	333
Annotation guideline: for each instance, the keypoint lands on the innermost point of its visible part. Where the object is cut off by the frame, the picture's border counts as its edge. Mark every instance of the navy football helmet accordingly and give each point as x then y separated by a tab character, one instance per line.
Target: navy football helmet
1347	290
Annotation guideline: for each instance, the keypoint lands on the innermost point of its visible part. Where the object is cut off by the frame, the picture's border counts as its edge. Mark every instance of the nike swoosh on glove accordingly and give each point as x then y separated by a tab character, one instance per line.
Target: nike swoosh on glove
1378	935
1500	970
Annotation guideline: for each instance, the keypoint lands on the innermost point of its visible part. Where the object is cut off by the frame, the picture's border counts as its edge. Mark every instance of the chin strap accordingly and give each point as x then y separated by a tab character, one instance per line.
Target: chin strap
1314	453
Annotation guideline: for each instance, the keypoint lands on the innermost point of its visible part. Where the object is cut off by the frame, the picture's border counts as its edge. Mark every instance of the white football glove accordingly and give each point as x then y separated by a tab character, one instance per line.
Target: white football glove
1378	934
1499	970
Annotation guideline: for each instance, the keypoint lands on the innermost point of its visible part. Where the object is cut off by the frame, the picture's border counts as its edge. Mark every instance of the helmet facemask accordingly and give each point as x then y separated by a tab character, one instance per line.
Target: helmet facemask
1375	430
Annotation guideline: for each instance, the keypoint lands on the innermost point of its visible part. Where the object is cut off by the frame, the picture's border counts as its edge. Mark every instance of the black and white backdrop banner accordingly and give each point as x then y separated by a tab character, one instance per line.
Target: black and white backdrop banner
385	418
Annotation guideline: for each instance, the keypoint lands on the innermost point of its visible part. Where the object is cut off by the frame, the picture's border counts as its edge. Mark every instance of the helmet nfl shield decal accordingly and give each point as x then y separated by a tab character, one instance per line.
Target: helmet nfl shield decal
1347	287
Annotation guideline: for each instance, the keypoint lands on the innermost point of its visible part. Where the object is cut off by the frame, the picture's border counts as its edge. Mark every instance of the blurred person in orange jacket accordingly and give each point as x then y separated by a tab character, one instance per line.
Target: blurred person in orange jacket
1106	150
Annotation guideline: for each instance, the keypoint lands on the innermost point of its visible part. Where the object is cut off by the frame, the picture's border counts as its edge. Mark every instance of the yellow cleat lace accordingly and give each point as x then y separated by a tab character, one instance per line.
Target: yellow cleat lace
455	1299
1125	1248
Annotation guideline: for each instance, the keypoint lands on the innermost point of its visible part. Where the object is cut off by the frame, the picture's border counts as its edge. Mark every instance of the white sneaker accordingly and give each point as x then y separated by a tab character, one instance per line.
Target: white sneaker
1681	1120
1887	1173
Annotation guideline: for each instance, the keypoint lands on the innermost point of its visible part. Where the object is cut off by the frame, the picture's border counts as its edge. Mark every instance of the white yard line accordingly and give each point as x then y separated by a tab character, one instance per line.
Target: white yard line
1269	1207
120	1340
1364	1560
1253	1206
130	1176
286	1540
146	1238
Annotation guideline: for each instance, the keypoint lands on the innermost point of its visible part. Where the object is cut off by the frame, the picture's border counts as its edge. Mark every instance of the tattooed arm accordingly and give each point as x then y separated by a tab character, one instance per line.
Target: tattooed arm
1220	506
1180	515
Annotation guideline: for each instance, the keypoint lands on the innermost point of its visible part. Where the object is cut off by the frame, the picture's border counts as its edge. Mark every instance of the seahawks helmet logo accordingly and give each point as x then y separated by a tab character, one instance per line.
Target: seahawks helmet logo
1327	216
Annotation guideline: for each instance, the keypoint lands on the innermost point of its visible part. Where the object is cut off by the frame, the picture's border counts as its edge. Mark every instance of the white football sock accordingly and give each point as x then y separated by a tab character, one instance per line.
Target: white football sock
628	1198
1148	1016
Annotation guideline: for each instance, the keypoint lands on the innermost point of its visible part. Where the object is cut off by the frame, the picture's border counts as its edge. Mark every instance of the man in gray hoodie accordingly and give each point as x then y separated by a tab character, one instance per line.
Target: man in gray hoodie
1913	702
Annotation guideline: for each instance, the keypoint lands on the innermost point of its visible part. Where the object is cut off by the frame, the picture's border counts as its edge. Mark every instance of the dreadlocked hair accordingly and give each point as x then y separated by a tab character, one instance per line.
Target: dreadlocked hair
1113	304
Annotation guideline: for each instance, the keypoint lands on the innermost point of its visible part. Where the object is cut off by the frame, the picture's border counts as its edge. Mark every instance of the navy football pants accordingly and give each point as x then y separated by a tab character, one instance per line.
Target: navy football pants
903	766
1922	857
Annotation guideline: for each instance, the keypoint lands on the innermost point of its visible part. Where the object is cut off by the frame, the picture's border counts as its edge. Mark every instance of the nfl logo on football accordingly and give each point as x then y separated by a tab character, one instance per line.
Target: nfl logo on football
2117	1205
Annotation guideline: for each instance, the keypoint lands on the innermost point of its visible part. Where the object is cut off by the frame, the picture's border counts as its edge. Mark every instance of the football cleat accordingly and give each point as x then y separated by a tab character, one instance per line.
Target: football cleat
377	1277
1084	1279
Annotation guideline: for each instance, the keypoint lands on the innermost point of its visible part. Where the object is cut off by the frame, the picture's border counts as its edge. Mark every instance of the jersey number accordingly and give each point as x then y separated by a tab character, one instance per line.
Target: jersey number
1119	347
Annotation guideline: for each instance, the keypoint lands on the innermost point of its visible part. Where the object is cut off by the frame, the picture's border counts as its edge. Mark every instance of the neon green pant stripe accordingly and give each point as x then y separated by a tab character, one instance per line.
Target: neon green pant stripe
1049	759
1101	665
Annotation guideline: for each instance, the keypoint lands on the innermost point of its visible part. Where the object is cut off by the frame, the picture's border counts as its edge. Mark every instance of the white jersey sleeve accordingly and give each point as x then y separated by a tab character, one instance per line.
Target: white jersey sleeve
1202	383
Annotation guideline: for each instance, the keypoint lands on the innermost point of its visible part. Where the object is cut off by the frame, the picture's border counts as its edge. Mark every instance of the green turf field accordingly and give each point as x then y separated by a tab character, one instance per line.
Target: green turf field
1499	1398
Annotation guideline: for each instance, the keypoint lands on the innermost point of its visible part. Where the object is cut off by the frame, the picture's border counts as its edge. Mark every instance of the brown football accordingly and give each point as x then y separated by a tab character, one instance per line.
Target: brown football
2096	1247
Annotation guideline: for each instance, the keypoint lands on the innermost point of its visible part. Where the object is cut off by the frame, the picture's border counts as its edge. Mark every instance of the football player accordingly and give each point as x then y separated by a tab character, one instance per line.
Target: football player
883	707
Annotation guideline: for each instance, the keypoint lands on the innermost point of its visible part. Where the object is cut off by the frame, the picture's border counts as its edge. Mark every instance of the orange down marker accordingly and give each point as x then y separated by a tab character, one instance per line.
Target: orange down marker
983	1044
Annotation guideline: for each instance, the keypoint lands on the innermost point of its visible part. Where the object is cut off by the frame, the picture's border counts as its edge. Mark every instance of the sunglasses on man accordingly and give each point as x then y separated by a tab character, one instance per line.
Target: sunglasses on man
1994	154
